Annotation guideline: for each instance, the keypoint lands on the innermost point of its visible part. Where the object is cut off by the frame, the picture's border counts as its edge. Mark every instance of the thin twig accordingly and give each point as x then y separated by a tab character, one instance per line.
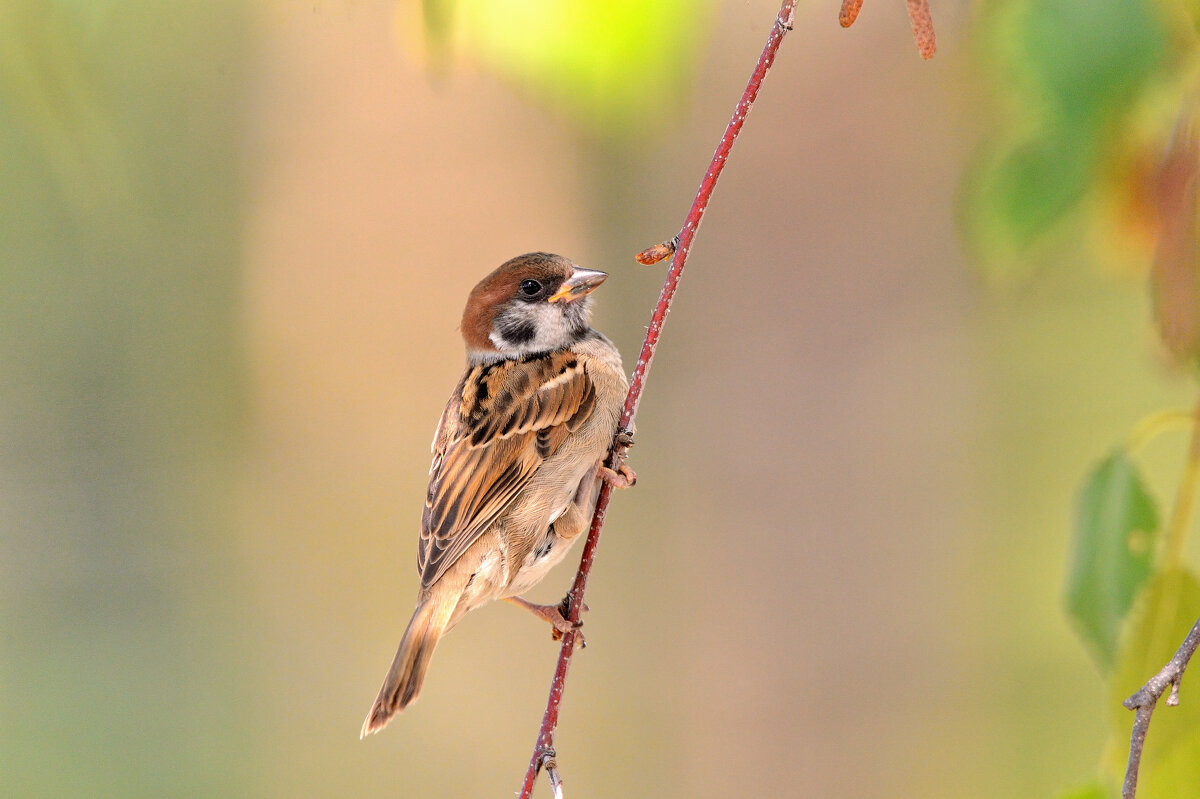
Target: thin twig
1145	700
679	246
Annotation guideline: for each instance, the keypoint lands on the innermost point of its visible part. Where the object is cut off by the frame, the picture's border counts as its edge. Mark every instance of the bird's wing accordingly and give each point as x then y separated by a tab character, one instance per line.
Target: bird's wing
504	420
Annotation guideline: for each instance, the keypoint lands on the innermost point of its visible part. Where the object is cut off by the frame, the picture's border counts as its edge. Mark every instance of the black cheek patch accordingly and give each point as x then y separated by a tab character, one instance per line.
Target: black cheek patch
517	332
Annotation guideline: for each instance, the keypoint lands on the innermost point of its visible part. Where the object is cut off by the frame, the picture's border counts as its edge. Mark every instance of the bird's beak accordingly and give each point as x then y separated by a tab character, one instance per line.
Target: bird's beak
581	283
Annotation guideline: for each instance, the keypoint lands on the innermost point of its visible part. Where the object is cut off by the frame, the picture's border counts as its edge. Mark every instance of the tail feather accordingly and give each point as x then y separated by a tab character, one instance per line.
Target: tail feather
403	681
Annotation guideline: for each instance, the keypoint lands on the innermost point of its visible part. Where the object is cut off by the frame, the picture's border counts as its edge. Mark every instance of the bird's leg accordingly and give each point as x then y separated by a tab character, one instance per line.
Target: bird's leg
576	518
556	615
549	613
573	521
578	515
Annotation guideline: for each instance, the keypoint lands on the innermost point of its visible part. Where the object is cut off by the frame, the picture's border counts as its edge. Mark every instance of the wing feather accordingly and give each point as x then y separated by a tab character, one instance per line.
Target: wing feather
503	421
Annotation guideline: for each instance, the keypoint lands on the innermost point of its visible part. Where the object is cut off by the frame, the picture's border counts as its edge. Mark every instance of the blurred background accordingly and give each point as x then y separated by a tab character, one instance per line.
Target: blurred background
235	241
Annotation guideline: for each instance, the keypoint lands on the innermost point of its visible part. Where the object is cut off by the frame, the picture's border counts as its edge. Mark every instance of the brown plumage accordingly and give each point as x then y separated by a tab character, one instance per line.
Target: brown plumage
517	457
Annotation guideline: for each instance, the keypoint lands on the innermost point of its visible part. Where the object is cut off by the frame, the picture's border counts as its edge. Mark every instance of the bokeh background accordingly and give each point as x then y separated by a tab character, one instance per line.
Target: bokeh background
235	240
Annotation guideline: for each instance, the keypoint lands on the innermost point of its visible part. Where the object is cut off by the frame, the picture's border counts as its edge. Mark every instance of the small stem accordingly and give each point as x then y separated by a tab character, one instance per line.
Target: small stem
1137	741
1185	500
543	752
1155	424
1145	700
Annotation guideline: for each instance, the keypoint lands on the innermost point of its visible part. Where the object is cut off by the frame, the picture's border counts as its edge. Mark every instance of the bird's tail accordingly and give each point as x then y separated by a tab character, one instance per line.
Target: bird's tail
403	681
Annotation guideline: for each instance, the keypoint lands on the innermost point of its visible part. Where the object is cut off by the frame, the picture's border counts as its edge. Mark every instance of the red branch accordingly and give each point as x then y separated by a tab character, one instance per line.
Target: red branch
680	245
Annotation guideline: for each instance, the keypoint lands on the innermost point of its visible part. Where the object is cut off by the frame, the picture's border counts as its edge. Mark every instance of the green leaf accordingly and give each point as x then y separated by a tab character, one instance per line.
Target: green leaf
1115	529
1164	614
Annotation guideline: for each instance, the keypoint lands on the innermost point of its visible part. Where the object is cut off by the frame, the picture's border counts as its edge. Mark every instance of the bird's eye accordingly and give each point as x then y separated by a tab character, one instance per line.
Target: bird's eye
530	287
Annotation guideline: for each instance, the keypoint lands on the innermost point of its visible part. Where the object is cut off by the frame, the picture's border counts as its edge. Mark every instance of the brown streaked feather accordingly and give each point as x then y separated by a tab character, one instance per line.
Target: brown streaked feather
502	422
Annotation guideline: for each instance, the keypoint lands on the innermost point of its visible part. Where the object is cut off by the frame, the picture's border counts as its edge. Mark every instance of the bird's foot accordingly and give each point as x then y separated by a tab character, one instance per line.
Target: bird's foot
621	477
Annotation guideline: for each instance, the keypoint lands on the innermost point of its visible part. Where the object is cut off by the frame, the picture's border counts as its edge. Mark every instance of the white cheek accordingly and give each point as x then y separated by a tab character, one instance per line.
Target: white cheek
553	329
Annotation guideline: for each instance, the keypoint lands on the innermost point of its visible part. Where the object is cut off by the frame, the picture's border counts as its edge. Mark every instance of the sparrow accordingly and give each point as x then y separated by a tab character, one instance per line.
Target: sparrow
518	456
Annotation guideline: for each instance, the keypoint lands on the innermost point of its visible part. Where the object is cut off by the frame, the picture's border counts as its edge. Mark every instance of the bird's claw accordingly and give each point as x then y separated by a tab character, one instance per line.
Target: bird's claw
564	613
621	477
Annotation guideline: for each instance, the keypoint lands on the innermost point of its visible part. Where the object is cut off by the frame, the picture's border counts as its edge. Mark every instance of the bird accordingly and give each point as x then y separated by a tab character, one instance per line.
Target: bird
518	457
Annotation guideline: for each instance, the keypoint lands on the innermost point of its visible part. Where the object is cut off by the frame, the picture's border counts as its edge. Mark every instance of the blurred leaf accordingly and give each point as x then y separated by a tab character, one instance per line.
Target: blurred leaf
619	67
1072	72
1175	276
439	18
1093	790
1171	760
1115	526
1023	191
1090	56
